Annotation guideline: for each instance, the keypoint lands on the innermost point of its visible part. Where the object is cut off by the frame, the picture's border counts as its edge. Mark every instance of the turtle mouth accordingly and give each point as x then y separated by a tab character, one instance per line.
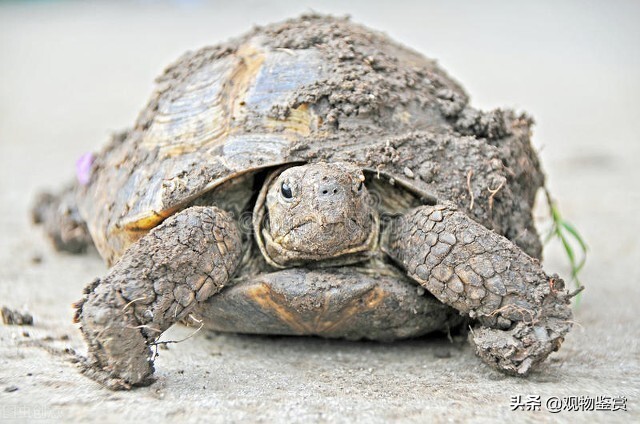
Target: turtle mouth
350	225
314	235
282	238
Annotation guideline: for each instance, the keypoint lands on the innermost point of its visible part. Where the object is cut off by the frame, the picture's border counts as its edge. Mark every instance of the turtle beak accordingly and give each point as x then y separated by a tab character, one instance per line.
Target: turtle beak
306	220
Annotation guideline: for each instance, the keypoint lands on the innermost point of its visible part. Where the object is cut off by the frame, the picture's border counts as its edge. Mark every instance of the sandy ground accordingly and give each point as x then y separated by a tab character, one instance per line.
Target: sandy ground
71	73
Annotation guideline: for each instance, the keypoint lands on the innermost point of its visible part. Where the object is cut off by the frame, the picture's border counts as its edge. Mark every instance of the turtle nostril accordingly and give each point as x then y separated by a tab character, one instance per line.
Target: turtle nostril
329	189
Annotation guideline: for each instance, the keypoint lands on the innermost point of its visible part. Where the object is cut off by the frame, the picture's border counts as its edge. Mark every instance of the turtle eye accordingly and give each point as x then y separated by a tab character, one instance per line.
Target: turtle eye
285	189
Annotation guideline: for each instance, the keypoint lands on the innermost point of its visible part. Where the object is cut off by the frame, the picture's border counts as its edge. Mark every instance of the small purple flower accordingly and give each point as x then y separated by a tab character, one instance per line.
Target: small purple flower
83	168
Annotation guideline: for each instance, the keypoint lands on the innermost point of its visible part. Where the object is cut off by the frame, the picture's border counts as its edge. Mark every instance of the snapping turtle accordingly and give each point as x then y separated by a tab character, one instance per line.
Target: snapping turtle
311	177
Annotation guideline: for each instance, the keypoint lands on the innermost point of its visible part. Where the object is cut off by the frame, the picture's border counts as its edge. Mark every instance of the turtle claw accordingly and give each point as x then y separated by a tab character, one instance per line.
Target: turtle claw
106	378
517	351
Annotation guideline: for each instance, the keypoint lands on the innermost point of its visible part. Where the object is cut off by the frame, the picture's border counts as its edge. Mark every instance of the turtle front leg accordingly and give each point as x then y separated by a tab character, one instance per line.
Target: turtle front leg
158	281
523	312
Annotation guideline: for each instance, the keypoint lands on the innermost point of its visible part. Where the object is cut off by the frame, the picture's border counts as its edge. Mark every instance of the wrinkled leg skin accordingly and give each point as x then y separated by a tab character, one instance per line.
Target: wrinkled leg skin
158	281
523	313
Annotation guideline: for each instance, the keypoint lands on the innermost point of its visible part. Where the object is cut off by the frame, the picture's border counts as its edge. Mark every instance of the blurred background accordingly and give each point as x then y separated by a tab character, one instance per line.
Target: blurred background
71	72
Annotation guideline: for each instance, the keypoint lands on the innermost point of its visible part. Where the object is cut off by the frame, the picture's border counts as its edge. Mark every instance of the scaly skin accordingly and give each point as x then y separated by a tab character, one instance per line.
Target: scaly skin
158	282
523	312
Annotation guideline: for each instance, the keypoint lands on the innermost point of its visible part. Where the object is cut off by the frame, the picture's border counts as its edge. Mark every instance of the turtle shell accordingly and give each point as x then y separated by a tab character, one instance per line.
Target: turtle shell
310	89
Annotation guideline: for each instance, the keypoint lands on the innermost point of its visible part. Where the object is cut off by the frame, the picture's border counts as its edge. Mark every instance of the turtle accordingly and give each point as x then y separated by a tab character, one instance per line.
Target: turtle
311	177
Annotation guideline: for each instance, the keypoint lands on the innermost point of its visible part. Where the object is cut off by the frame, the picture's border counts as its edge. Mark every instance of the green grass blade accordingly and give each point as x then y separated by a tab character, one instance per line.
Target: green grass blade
566	233
572	230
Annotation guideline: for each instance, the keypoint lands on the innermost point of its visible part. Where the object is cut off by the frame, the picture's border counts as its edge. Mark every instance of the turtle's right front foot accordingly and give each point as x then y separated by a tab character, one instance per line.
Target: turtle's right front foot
157	282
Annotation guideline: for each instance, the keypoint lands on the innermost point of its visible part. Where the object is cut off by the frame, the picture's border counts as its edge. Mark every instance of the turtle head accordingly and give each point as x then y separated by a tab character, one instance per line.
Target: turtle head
316	212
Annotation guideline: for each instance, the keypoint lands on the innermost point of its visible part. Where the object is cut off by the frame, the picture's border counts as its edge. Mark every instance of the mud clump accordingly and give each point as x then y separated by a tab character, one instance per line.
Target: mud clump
15	317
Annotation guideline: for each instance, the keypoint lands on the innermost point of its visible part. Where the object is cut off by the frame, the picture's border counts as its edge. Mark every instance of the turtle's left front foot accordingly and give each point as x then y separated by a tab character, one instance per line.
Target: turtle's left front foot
523	312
